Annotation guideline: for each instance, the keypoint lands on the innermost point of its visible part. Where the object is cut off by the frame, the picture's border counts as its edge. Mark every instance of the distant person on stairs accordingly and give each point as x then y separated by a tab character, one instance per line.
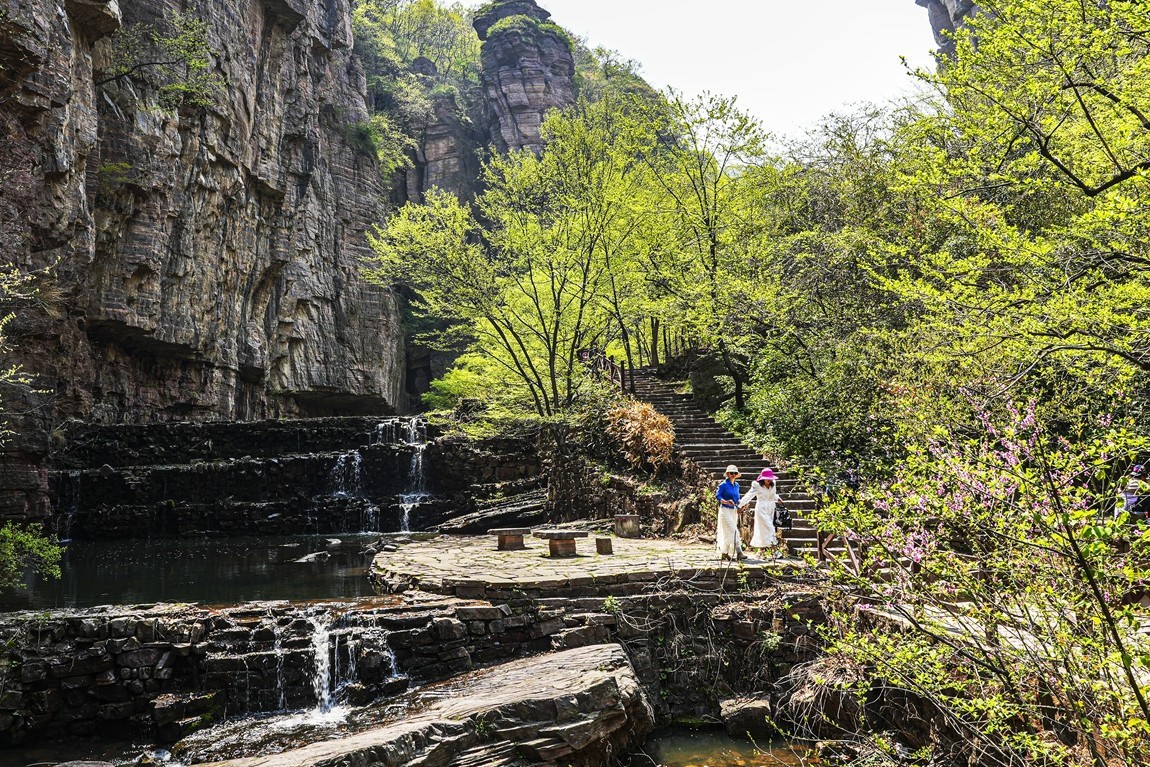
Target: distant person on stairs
727	529
765	495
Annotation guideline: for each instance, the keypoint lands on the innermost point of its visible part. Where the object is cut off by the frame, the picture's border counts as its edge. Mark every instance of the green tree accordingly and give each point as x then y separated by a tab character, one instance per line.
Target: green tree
21	546
988	579
708	148
176	59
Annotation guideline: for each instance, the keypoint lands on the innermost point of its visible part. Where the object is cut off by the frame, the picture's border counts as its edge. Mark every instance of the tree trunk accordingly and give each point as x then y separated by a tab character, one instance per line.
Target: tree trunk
740	400
655	342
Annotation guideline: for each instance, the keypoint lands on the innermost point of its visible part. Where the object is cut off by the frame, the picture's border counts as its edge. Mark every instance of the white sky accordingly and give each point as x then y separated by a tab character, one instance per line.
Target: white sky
789	62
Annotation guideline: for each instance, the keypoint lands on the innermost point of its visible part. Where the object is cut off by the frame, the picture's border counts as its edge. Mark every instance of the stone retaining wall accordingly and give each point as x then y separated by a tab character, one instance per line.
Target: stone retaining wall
272	477
166	671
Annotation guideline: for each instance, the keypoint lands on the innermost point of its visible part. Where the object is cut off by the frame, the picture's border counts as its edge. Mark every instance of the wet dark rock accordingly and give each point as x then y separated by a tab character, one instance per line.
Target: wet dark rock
169	480
318	557
578	707
748	717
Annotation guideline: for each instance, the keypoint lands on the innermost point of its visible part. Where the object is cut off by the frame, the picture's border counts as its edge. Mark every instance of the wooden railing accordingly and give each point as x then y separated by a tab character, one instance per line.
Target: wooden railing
609	369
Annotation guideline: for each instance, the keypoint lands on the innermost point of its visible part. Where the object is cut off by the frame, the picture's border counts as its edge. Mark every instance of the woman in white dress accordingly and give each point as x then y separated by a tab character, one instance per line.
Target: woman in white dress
727	526
765	495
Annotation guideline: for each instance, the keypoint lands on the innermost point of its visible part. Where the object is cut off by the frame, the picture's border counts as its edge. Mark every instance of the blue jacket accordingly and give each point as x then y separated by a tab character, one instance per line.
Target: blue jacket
728	491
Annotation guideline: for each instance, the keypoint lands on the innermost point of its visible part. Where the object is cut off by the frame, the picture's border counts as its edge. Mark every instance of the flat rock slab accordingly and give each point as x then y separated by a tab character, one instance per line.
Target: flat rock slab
509	531
560	535
468	567
578	706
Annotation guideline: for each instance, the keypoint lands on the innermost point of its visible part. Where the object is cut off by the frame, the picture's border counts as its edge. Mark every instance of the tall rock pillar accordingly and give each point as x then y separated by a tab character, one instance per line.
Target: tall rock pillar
528	70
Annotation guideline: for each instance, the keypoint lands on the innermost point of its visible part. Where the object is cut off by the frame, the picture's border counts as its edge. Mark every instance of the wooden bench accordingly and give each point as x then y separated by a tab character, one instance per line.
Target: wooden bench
561	542
510	538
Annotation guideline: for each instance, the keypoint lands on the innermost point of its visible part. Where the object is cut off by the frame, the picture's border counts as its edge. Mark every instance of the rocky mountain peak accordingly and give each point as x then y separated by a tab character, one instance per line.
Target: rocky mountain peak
492	13
945	17
528	70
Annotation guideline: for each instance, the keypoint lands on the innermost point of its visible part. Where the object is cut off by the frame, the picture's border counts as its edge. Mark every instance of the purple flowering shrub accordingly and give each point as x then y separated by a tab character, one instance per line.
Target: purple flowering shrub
990	577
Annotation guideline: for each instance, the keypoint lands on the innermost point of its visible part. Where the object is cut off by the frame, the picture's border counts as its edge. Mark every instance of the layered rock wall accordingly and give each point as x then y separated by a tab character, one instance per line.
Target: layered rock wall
203	262
207	259
528	70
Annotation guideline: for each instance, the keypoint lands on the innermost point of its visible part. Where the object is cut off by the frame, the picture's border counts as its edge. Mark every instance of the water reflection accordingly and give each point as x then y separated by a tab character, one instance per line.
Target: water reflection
714	748
205	570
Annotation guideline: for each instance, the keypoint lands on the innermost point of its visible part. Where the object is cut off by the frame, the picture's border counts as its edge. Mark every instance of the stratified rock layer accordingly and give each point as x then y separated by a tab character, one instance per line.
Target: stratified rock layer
207	259
945	17
528	70
577	707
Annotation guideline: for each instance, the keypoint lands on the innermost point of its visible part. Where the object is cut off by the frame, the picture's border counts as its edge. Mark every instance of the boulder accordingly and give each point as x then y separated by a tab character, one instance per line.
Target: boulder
748	718
577	707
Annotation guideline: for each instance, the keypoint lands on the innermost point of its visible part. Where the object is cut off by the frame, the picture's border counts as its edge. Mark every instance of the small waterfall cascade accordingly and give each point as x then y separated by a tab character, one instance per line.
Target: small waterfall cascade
321	677
278	648
72	505
416	491
347	476
338	651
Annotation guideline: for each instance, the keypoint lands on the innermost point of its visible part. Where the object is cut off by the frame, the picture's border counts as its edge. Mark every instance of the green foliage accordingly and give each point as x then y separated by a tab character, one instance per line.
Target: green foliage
26	547
1000	588
600	73
176	59
391	34
381	139
113	175
540	283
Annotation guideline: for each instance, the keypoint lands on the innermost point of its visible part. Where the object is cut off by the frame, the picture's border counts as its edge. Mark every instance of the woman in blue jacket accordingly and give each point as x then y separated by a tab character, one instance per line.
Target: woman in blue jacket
727	529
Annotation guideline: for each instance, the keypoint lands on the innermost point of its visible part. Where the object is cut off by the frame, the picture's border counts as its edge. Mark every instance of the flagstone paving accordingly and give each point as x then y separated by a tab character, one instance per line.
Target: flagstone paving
472	567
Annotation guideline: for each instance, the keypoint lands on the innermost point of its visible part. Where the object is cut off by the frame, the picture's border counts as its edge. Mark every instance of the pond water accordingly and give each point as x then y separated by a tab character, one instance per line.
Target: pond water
715	748
204	570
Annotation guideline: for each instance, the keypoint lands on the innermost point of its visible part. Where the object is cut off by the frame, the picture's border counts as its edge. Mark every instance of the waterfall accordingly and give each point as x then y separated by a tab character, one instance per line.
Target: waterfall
321	677
64	526
346	478
337	649
281	683
416	491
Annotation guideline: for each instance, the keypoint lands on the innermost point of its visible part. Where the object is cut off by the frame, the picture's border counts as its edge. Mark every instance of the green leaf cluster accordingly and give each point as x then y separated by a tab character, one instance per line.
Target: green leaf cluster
176	58
21	547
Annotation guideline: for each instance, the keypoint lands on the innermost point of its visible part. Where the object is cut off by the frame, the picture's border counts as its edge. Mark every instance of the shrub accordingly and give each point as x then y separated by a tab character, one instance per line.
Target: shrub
646	436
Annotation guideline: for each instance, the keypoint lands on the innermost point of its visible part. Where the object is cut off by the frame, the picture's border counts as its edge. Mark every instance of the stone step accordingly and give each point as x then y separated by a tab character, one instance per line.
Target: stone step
179	519
382	472
187	442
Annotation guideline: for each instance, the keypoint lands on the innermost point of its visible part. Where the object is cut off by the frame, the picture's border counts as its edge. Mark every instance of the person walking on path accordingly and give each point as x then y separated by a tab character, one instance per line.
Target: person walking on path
1135	496
765	496
727	529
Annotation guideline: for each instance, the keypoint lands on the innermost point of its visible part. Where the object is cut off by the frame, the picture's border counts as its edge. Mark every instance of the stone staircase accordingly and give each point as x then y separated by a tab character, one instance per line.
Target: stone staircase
712	448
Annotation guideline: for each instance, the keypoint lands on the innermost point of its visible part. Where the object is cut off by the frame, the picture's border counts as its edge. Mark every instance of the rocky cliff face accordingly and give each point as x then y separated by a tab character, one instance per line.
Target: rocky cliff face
204	261
528	70
207	259
945	17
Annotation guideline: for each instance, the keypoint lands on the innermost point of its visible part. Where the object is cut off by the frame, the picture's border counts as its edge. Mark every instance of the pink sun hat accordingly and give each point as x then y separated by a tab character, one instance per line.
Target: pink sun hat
766	474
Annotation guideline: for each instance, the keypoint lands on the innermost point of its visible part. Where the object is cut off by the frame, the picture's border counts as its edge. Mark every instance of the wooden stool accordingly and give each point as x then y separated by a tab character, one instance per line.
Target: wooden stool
603	546
561	543
510	538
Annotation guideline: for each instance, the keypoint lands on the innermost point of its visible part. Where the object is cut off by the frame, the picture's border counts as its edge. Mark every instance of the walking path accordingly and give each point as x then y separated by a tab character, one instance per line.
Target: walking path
703	441
470	567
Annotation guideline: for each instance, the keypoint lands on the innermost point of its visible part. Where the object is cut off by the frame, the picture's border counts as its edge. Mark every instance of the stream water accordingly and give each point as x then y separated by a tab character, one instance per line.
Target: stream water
205	570
714	748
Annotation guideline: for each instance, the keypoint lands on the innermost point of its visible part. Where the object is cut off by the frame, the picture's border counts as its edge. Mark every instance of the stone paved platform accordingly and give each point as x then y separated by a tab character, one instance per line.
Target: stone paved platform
471	567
